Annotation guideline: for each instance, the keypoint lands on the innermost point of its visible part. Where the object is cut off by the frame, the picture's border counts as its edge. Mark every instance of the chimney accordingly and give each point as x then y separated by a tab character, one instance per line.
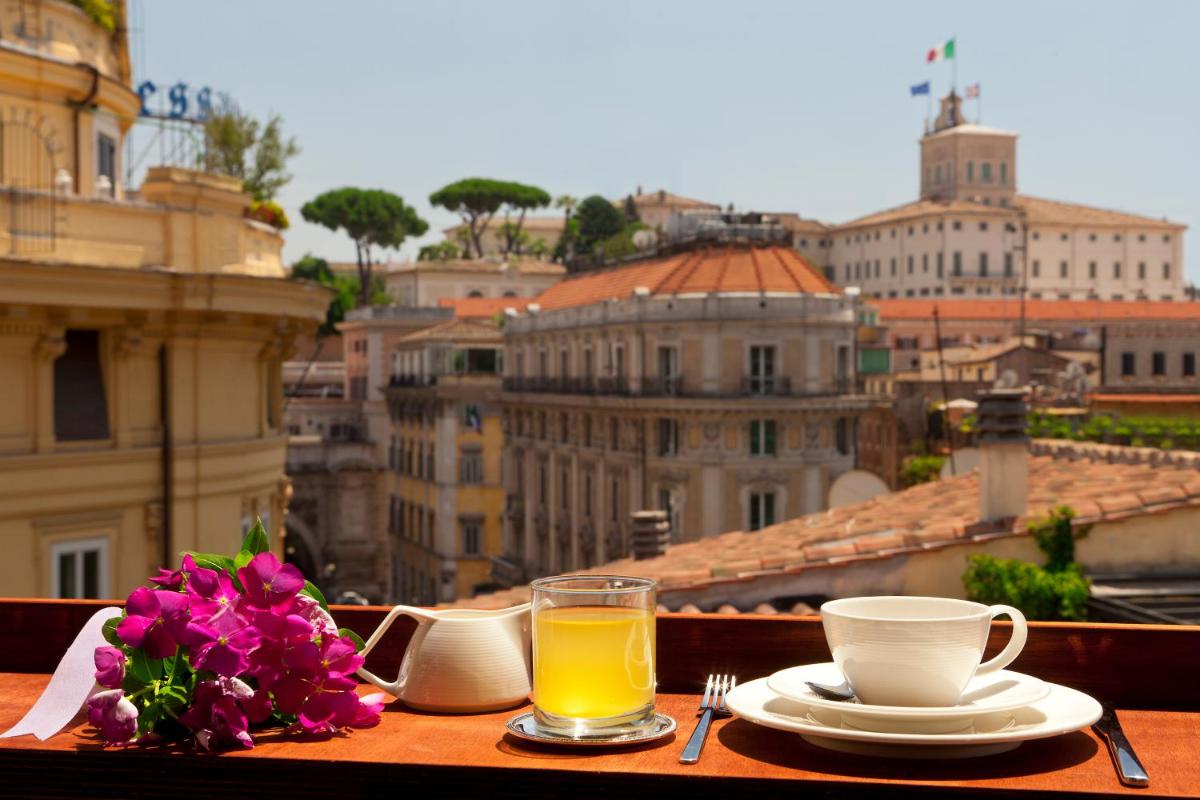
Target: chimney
651	534
1003	454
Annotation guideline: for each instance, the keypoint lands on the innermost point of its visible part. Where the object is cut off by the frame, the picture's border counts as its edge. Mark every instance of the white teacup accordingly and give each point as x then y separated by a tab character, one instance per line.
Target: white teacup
915	651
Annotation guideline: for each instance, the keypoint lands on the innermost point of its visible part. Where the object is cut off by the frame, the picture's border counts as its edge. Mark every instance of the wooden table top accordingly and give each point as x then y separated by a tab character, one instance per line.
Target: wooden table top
471	755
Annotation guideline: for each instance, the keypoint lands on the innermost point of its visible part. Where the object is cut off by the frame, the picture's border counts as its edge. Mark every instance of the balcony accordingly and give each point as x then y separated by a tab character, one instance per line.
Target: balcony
412	381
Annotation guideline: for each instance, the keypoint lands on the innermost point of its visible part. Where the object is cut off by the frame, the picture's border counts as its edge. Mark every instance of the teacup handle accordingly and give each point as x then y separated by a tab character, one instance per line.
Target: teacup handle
1013	649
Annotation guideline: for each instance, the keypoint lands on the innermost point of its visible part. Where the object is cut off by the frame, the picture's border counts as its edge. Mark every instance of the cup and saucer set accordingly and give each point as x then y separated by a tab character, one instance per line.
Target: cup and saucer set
911	669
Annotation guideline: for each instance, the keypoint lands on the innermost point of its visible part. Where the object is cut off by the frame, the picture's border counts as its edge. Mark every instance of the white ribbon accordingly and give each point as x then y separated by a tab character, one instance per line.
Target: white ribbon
73	682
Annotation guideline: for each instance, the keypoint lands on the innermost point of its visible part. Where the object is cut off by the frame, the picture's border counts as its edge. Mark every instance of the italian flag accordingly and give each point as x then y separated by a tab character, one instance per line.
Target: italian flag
942	52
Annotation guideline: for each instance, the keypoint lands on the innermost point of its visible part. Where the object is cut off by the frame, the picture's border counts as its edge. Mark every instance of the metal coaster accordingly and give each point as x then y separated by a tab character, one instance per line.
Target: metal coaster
524	726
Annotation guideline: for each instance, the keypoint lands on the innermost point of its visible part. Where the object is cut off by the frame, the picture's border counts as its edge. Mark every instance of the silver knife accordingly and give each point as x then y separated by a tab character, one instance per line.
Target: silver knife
1129	769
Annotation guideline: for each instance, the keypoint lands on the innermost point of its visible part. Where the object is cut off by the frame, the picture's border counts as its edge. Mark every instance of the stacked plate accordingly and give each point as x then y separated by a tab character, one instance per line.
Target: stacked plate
995	713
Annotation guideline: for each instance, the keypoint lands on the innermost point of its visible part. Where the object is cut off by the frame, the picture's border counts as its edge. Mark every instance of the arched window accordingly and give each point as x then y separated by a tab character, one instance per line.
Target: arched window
1003	173
970	172
509	293
985	172
474	293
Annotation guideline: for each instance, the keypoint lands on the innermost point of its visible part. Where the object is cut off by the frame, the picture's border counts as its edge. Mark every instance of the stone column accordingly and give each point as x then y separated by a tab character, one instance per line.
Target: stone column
49	346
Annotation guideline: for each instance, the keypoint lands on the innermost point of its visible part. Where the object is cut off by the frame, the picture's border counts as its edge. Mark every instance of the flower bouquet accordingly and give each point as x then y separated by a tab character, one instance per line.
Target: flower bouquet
223	645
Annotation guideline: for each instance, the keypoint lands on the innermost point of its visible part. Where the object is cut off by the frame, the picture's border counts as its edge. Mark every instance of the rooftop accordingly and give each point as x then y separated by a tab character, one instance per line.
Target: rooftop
705	271
521	266
1037	211
1036	310
664	198
456	330
1098	484
972	128
483	307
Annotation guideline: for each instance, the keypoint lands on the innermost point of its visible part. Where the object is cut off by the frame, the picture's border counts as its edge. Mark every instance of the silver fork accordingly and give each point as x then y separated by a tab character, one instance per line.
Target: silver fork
711	705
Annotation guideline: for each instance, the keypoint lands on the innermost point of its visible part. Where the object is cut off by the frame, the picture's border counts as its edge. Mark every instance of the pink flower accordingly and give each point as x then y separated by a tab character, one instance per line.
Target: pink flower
321	703
269	584
169	579
146	620
212	598
110	667
114	715
318	617
226	652
339	657
286	646
215	717
369	708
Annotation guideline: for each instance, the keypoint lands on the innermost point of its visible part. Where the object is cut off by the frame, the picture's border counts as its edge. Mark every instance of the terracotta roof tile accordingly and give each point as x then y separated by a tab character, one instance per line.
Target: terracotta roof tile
730	269
1092	479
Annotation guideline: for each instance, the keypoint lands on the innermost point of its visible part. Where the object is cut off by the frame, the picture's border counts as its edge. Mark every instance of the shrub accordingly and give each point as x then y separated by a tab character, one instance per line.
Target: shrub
1059	590
921	469
270	212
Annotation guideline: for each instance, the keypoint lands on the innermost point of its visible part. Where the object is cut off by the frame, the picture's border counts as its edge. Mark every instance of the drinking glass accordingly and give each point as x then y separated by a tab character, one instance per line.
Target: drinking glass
593	655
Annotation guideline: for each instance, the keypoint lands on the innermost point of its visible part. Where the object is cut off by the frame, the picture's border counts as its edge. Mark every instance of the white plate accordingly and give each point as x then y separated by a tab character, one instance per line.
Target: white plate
1063	710
1001	691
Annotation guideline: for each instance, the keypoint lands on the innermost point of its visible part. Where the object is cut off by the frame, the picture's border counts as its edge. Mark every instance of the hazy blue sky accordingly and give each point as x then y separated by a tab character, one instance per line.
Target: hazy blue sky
771	105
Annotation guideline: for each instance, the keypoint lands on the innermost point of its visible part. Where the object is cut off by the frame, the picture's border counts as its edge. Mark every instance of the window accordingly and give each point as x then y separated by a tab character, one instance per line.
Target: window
564	428
668	437
542	485
614	434
910	265
587	364
1062	269
893	265
1116	237
1037	268
1003	173
1116	269
471	539
587	430
1158	363
471	468
614	497
1091	237
925	228
983	265
940	263
564	490
985	171
668	367
1141	237
1166	237
957	263
1008	264
1092	269
1142	270
910	230
983	226
842	436
509	293
563	359
79	569
970	172
925	262
762	437
762	510
80	403
1128	365
1166	271
587	494
474	293
106	162
762	369
1189	365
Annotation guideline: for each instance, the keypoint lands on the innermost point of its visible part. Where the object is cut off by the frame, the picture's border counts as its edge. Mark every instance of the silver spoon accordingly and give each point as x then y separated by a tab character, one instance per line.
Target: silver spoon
843	691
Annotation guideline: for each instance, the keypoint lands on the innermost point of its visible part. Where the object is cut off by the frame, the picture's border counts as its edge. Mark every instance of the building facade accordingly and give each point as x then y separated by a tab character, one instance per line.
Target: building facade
141	332
424	283
716	385
444	487
971	234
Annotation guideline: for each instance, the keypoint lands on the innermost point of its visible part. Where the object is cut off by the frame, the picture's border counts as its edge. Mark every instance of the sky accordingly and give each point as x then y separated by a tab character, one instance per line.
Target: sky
773	106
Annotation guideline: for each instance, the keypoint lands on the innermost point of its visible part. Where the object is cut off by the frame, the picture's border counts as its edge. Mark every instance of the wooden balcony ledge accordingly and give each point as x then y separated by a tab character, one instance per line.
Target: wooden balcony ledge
1149	672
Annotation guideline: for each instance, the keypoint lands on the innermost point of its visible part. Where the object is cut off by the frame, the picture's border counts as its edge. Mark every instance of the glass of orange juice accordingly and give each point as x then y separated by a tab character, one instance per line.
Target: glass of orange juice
593	655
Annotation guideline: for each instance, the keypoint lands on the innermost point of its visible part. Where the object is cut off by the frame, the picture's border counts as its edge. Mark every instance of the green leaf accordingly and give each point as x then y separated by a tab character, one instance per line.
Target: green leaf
354	637
256	539
214	561
110	631
243	558
144	668
312	591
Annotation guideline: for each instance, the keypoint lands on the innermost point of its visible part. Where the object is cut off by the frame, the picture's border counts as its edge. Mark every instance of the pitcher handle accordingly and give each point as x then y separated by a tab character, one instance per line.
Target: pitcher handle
422	617
1013	649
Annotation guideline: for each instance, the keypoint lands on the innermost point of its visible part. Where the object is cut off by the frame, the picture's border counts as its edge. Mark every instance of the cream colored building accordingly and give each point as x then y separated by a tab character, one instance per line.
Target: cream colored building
141	332
654	209
716	384
445	492
424	283
969	233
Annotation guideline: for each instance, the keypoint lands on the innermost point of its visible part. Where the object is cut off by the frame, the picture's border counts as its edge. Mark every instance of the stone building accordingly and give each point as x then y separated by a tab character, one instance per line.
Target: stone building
444	487
141	331
425	283
718	385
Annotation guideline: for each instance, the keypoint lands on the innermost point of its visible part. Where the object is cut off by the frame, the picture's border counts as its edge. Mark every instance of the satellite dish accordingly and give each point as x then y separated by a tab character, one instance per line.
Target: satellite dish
1008	380
856	486
965	460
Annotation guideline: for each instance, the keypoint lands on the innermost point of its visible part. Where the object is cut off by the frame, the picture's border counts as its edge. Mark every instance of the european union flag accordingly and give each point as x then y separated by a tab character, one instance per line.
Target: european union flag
920	88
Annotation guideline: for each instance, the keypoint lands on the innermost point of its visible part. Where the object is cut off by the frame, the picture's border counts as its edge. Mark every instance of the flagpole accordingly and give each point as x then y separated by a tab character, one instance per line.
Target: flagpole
954	67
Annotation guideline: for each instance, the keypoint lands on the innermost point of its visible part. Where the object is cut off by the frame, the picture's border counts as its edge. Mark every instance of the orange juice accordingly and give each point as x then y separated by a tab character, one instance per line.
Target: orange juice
591	662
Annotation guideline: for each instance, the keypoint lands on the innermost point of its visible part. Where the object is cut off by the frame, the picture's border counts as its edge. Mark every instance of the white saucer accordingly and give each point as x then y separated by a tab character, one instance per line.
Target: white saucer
1063	710
524	726
985	694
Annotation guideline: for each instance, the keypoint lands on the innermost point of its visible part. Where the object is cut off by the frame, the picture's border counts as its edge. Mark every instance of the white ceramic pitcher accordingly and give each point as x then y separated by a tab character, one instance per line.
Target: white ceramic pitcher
460	660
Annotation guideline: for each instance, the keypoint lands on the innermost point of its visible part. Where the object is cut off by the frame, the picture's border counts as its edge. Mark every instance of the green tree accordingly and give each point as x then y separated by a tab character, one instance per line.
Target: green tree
598	220
477	200
371	218
344	287
238	145
442	251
